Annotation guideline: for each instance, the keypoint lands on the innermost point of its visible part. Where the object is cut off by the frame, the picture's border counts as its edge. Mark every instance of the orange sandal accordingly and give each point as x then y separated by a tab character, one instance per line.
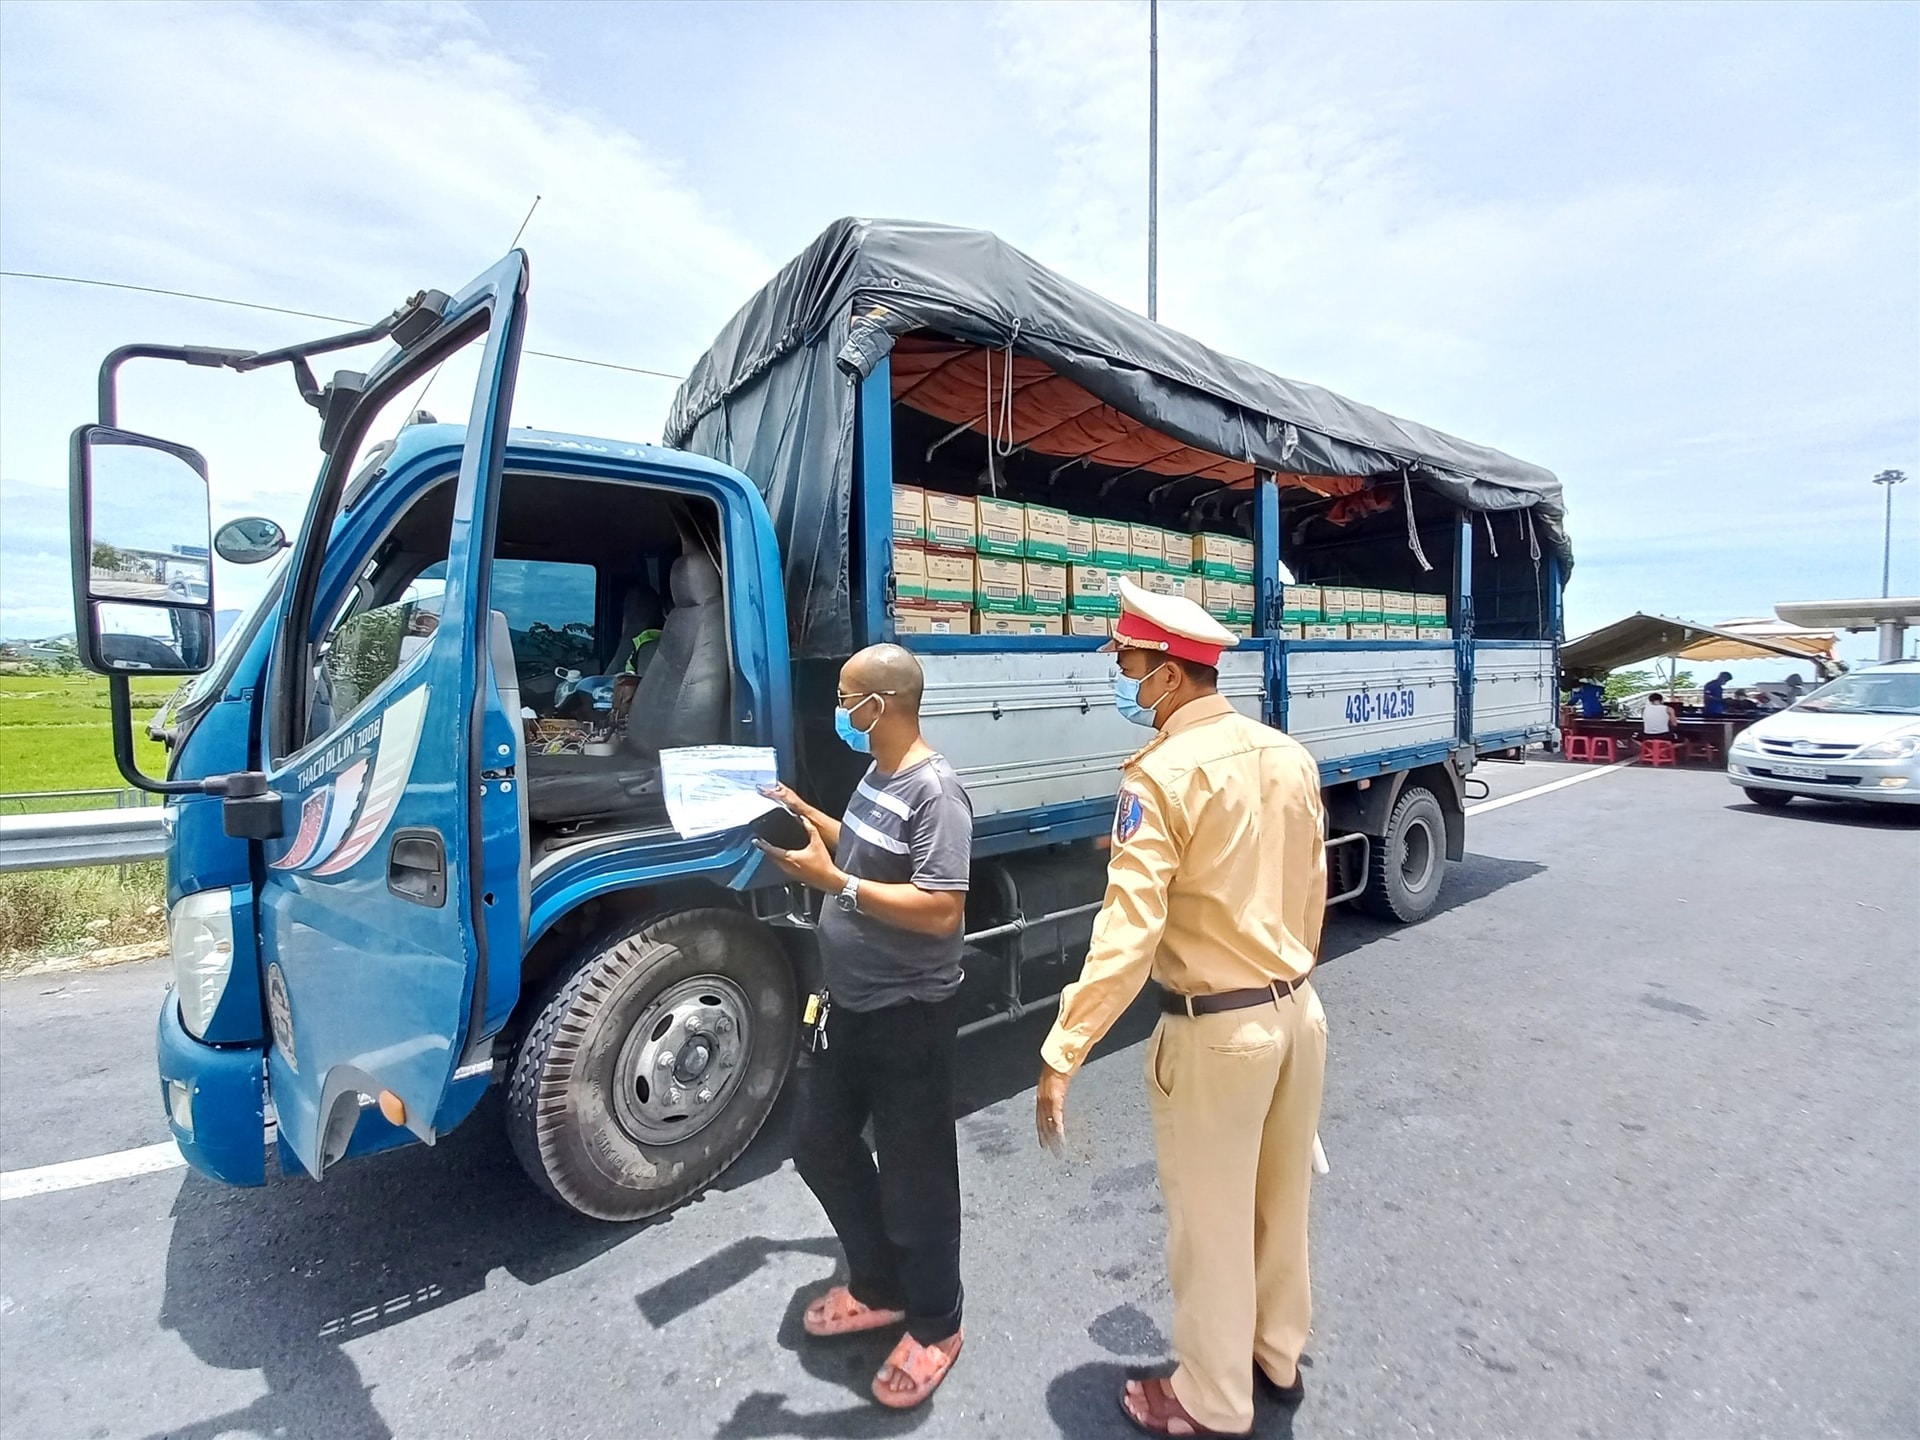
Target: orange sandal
838	1313
925	1365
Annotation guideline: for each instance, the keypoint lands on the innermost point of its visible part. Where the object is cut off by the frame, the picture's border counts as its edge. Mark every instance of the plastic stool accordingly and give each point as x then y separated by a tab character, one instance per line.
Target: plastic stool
1658	752
1578	747
1600	747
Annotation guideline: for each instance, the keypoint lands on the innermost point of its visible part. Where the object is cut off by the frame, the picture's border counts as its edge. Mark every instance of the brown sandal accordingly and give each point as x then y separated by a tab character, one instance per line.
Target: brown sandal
838	1313
925	1365
1161	1412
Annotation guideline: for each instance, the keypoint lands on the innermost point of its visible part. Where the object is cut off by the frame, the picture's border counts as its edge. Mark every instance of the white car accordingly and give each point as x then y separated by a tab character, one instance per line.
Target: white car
1855	738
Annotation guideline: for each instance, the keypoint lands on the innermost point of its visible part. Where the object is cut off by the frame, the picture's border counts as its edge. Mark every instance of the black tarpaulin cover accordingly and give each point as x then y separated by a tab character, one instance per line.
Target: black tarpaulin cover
776	394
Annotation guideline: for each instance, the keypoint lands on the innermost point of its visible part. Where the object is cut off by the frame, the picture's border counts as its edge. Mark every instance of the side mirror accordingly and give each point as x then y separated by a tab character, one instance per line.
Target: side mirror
249	541
142	560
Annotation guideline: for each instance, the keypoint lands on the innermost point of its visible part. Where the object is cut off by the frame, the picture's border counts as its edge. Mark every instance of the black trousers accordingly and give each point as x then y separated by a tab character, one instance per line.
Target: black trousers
899	1222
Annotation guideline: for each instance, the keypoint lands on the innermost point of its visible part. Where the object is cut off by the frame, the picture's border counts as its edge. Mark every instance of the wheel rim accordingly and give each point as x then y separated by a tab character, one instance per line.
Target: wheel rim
1417	856
682	1060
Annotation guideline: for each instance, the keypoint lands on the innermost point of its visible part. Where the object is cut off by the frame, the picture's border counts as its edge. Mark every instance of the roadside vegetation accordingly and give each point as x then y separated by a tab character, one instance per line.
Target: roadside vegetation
54	733
90	914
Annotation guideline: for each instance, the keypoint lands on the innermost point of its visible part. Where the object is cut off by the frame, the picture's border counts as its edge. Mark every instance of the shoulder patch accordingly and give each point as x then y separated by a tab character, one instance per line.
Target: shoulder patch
1128	816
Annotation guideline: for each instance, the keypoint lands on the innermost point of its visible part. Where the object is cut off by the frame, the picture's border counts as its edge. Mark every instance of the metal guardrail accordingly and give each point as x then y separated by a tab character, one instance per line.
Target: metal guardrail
82	837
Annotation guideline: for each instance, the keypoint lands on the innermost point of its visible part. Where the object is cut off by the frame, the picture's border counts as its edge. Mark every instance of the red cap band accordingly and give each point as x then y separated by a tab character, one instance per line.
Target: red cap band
1143	632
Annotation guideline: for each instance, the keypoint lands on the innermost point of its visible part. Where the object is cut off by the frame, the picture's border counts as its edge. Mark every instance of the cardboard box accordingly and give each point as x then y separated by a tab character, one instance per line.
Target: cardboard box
1430	622
999	584
1404	632
1398	607
1187	587
1046	586
999	622
1245	603
1112	544
909	572
1430	607
1002	527
1240	628
1216	598
1365	630
1323	631
1242	552
1148	546
1333	605
1435	632
909	514
1046	533
1079	541
932	620
1161	582
1213	557
1300	605
1085	622
949	578
1093	589
1374	607
952	522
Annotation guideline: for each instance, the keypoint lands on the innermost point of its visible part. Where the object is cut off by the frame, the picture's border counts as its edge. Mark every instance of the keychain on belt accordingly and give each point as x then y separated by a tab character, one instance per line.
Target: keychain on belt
819	1006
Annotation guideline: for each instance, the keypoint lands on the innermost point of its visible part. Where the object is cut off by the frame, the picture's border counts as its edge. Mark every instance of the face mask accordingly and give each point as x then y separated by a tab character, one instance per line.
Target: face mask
857	740
1126	698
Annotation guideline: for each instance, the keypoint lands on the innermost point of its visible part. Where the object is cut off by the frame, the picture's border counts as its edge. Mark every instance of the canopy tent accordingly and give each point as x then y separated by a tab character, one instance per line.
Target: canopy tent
985	340
1649	637
1775	633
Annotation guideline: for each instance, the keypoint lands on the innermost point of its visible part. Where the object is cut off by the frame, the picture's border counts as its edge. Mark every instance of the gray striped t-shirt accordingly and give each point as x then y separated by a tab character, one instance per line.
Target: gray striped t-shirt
914	827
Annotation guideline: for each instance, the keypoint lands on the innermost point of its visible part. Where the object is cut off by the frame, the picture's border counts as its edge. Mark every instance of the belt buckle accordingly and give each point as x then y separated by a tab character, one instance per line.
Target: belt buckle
1187	1000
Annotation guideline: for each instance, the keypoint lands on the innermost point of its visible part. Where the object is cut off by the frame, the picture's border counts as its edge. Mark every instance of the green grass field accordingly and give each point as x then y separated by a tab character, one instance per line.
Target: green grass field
54	733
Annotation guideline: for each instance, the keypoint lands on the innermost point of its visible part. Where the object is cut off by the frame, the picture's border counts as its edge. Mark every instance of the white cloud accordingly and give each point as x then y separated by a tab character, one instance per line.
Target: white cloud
325	161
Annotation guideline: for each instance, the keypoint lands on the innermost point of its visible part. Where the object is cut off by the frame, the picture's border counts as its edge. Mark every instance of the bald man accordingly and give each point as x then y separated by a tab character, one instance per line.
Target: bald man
895	870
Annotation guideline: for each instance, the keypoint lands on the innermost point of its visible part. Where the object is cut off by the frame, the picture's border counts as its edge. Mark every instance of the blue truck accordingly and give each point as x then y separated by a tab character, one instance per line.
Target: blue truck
419	840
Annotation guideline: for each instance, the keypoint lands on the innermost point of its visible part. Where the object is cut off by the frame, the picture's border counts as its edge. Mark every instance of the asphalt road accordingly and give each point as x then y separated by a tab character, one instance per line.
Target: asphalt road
1624	1143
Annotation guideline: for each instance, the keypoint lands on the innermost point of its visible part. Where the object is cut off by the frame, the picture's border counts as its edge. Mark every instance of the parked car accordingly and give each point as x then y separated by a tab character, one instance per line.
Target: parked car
1855	738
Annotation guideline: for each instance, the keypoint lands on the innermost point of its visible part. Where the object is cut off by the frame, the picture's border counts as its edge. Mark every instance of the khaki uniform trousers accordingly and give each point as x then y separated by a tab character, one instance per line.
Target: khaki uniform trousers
1236	1101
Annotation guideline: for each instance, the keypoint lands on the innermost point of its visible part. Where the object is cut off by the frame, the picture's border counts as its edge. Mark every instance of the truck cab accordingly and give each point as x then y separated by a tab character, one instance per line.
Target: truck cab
420	845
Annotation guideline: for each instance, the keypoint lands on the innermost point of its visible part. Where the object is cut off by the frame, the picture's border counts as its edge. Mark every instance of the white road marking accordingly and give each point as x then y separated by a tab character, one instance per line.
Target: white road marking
1547	789
153	1159
96	1170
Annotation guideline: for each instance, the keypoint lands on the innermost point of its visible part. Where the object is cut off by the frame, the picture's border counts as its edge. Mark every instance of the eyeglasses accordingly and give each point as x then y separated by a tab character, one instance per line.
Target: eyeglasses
847	701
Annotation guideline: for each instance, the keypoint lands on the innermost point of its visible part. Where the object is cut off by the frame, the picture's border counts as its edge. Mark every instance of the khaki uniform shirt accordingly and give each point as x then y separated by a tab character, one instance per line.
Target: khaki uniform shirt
1218	879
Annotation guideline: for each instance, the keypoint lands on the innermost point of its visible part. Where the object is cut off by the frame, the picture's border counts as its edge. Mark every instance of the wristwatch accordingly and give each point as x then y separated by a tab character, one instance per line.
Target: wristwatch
849	896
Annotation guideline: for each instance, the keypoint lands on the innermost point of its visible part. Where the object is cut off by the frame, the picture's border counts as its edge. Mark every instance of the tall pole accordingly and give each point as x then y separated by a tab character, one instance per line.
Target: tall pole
1153	159
1887	479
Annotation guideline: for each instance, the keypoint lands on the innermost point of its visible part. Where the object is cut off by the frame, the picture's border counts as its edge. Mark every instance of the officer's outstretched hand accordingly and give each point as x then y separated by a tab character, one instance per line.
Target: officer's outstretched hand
1050	1108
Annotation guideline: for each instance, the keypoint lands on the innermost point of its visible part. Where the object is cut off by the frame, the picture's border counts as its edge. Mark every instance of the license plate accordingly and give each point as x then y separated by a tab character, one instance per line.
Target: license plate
1800	772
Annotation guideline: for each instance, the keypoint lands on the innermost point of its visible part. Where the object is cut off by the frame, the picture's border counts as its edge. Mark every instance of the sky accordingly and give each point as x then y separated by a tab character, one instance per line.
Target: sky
1671	253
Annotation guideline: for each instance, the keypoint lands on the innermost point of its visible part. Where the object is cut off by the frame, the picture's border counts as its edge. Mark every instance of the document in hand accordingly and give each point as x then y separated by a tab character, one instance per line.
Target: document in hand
711	788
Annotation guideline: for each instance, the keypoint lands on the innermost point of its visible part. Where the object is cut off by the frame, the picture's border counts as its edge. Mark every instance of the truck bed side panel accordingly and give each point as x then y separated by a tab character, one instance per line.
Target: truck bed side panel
1515	698
1031	731
1348	700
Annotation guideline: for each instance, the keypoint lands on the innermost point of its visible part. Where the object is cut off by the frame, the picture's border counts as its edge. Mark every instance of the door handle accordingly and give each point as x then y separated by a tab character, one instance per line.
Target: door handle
417	867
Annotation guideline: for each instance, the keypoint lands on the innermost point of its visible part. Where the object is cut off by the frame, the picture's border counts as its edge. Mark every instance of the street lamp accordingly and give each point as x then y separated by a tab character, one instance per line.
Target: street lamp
1889	479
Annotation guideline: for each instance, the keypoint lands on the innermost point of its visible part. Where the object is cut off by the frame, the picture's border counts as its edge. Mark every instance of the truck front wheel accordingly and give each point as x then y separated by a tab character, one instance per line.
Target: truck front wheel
1409	862
653	1065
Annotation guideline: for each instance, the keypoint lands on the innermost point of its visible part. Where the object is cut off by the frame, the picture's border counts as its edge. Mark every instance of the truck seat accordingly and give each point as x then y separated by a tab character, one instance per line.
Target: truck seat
681	700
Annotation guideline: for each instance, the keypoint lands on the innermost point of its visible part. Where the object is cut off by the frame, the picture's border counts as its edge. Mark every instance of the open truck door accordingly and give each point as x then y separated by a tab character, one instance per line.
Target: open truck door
392	882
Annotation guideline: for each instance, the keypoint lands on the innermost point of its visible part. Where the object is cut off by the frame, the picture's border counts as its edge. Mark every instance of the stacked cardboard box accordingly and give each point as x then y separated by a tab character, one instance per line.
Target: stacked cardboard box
1093	589
952	523
996	622
1079	541
1083	622
932	620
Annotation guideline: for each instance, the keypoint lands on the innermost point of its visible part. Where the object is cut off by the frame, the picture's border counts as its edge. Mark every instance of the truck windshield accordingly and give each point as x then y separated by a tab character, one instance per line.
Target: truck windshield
1869	693
196	697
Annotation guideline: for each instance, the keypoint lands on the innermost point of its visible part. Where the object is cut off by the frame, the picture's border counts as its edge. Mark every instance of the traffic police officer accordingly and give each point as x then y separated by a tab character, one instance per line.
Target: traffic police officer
1216	888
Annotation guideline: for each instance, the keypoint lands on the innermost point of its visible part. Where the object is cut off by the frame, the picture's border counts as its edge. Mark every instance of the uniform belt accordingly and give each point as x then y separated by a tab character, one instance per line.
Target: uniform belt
1272	994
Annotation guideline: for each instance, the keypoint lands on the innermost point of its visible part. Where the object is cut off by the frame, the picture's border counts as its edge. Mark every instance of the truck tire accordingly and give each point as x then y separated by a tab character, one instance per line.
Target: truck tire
1768	799
653	1065
1408	863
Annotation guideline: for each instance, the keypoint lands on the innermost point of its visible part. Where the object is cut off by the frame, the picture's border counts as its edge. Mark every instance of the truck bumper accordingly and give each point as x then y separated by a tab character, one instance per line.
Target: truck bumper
214	1098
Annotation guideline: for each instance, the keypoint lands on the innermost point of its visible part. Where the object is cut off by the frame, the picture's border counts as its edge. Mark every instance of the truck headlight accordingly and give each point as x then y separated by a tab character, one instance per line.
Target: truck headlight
1900	747
200	937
